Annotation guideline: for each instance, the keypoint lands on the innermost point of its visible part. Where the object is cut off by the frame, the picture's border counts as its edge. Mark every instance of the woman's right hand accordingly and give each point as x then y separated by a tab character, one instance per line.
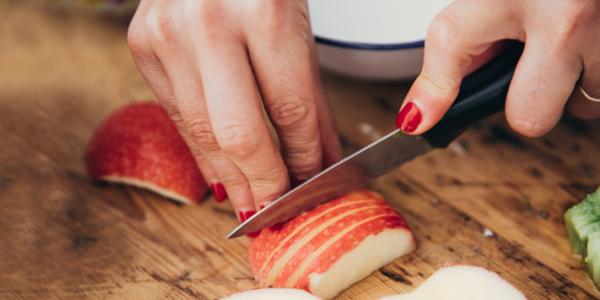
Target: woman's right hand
560	61
214	65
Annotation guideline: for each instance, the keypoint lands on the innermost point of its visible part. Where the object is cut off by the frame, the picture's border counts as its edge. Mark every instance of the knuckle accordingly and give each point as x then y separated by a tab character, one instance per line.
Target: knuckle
202	134
441	84
573	18
161	26
269	187
443	31
205	15
138	45
172	112
281	12
232	181
305	161
289	111
580	9
238	140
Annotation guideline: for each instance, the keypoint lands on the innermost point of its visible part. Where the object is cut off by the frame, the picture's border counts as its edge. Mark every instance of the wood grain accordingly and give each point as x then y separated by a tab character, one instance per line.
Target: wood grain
64	237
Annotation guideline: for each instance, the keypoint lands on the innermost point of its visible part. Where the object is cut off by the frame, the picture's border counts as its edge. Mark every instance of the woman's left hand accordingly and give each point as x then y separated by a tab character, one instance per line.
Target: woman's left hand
561	57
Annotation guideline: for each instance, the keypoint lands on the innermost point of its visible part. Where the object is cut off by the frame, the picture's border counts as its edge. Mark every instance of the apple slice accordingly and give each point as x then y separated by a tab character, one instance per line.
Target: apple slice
139	145
272	294
460	283
329	248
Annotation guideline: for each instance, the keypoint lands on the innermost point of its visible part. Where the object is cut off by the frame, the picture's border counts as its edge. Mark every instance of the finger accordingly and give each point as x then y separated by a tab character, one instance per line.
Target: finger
153	71
282	62
462	32
583	105
236	117
332	149
230	181
585	100
541	86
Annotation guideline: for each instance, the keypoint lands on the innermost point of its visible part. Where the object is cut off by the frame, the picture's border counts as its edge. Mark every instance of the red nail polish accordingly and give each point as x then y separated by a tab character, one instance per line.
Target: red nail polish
253	234
409	118
245	215
263	205
276	226
218	191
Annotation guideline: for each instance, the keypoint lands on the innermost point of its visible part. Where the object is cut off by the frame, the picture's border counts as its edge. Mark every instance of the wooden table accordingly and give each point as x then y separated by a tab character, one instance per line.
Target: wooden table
492	199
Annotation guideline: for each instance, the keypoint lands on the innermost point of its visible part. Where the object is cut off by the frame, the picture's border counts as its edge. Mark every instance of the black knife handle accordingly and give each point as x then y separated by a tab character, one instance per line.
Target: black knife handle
482	94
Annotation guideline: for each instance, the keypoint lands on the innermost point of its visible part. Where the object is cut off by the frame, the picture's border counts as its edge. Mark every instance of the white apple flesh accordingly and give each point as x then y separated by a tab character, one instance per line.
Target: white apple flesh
462	283
272	294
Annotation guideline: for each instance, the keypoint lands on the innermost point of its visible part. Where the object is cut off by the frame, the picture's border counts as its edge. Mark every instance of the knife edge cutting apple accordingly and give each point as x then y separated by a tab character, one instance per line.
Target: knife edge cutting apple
483	93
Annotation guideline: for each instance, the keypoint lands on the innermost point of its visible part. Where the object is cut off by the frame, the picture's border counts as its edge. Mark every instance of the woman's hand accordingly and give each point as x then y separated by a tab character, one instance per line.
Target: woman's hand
224	70
562	51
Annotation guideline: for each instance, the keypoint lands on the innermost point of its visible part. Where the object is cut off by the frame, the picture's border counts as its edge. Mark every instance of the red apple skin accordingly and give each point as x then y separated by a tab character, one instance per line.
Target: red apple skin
140	142
272	245
349	241
315	243
264	245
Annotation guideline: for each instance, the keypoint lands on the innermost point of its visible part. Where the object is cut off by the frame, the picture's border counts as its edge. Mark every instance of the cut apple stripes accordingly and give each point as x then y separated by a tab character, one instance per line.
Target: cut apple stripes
346	233
300	241
292	259
347	241
277	239
330	247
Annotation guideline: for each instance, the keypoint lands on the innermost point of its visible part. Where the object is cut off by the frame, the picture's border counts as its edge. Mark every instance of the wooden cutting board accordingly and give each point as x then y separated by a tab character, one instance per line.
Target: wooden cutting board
492	199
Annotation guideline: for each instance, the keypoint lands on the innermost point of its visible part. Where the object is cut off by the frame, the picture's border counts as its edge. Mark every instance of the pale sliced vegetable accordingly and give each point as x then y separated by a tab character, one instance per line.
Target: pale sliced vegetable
582	220
273	294
462	283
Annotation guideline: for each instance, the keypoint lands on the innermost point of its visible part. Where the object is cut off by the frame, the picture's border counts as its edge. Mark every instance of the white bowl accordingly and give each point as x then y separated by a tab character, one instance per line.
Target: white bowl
372	39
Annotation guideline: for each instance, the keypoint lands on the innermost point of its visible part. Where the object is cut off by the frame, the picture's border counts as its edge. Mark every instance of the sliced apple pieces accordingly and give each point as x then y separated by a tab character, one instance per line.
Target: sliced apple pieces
329	248
272	294
461	283
139	145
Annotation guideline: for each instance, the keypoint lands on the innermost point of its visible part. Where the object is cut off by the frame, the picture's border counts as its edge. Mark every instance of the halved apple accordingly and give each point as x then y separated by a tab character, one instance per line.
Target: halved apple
329	248
139	145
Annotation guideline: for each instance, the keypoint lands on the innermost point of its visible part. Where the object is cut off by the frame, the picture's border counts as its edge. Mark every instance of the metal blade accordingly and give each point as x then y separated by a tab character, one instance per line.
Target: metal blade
348	174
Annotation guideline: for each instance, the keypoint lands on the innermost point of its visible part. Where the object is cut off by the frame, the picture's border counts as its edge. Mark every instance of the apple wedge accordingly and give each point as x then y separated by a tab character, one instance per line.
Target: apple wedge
139	145
461	283
329	248
273	294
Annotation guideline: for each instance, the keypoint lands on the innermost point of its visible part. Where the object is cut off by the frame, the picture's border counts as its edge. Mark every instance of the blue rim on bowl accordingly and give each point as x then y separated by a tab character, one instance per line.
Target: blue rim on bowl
368	46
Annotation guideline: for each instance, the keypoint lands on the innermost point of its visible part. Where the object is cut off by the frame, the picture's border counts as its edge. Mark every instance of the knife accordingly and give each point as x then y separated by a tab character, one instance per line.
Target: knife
481	94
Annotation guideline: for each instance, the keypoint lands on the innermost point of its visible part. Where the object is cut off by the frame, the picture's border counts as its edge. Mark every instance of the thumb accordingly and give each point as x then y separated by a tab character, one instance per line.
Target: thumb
459	39
436	89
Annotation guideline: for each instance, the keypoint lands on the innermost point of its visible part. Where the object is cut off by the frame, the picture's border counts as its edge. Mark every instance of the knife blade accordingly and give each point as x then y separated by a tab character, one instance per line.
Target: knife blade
481	94
346	175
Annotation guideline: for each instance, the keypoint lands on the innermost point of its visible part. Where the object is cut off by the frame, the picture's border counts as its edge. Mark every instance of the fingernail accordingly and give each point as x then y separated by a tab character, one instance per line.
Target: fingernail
263	205
244	215
276	227
409	118
218	191
253	234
